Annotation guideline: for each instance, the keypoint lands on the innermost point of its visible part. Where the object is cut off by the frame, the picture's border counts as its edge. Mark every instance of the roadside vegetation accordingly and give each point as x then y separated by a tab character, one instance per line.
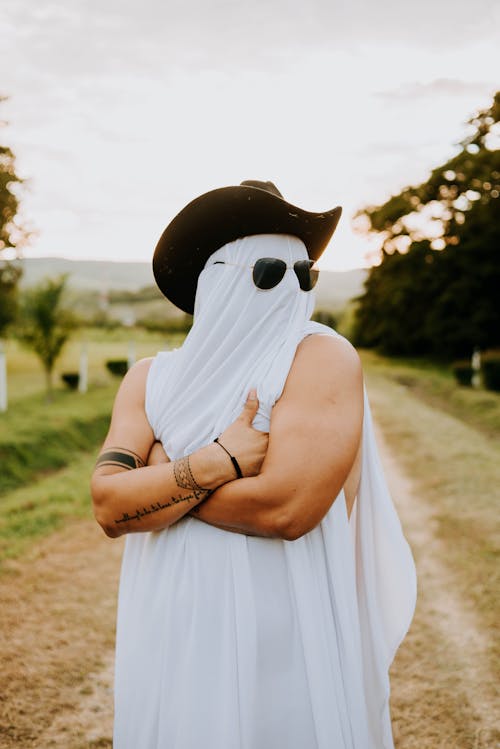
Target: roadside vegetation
47	449
435	385
443	435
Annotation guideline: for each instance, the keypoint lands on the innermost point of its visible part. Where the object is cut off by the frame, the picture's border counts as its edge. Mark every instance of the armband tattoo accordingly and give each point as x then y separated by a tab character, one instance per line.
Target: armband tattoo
121	458
185	479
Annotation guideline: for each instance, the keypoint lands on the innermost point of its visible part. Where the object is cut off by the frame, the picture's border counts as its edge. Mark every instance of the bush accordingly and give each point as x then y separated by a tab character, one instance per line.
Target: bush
325	317
70	379
169	325
490	364
117	367
463	372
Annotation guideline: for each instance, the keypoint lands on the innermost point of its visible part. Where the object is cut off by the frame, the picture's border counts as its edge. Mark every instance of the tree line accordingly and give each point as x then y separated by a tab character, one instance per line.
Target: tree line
436	289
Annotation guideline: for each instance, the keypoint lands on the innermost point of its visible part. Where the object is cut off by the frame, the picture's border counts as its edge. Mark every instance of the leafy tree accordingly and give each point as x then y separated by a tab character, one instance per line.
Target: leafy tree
11	236
45	324
436	288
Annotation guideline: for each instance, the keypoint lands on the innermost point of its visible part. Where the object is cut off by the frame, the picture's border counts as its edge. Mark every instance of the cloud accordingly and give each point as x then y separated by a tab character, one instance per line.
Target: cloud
439	87
158	37
121	111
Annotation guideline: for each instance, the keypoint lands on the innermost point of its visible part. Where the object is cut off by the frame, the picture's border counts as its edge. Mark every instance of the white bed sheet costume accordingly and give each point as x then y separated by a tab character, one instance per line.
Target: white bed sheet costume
227	641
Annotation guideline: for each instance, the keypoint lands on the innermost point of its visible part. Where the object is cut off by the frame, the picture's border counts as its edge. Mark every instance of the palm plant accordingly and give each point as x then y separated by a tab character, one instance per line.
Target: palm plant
45	324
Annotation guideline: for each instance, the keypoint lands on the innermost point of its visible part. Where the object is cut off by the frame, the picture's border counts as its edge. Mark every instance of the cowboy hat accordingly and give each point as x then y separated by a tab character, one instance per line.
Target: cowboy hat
224	215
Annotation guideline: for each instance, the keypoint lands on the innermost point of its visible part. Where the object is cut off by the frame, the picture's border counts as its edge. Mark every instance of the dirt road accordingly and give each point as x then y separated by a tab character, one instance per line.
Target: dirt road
56	638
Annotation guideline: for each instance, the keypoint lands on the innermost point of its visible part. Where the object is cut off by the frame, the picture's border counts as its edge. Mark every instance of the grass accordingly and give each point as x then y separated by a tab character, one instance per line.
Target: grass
436	386
455	467
36	437
47	449
31	512
24	371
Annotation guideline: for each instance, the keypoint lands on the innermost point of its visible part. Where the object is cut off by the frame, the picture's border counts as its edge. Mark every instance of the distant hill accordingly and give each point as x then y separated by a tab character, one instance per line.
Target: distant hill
92	275
336	288
333	291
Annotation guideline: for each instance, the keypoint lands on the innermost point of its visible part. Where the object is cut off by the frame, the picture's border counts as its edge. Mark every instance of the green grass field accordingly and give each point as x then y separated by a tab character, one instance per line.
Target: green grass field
24	372
47	450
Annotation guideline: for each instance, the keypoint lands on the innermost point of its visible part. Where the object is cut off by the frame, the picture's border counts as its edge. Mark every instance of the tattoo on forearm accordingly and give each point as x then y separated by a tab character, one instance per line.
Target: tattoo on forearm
185	479
121	458
141	512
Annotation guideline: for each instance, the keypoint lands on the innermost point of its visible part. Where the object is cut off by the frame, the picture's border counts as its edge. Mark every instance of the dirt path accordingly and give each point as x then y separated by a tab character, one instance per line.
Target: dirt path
57	626
56	638
444	694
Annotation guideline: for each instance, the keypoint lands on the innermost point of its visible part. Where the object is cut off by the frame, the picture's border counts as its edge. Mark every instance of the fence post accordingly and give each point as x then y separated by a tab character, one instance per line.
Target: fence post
3	379
476	368
83	377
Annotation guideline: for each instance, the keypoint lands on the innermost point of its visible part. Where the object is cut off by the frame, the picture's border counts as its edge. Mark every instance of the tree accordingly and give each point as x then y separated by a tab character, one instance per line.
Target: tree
12	236
436	288
45	324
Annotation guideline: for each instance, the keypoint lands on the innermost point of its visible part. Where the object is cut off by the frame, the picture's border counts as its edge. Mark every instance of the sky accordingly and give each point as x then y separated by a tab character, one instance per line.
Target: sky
121	112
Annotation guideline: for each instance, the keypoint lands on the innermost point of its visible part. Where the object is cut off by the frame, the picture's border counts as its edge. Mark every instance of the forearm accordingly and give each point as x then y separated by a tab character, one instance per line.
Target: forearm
245	506
274	504
153	497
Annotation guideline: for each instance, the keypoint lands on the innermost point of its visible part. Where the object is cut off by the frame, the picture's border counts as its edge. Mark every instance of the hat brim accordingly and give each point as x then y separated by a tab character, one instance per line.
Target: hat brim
224	215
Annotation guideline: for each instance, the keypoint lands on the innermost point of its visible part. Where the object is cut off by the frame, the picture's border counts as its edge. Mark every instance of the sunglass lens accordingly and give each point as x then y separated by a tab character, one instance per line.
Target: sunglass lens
306	274
268	272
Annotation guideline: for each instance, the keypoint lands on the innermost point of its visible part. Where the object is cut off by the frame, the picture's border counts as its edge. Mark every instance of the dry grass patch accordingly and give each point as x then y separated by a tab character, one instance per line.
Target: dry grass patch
446	675
456	471
57	631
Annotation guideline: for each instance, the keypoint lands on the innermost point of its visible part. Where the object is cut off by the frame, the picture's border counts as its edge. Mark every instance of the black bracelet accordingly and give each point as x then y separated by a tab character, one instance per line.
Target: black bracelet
233	459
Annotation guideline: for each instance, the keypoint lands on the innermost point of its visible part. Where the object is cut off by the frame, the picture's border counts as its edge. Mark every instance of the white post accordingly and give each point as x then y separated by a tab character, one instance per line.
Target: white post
131	354
3	379
83	378
476	368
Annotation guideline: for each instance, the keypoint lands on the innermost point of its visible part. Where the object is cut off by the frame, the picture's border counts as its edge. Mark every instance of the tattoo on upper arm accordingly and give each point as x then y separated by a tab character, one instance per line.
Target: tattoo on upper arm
185	480
121	458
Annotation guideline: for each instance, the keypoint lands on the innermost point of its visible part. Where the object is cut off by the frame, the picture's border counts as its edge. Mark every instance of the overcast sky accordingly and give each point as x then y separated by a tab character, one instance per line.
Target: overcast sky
121	112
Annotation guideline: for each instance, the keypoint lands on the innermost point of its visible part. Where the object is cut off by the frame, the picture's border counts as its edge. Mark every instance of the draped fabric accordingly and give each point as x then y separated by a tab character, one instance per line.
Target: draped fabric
227	640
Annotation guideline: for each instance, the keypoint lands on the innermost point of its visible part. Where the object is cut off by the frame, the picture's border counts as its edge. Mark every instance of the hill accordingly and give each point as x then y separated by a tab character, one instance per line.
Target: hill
91	275
334	289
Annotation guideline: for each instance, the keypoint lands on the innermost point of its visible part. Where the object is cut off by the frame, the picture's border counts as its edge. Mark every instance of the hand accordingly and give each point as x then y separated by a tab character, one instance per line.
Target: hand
248	445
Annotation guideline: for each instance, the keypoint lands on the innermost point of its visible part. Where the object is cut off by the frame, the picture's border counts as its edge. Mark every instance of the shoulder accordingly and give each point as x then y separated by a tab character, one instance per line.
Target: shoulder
327	361
138	372
133	385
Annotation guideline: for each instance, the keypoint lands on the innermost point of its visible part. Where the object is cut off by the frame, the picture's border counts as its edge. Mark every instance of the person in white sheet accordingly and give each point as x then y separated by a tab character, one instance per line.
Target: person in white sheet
266	582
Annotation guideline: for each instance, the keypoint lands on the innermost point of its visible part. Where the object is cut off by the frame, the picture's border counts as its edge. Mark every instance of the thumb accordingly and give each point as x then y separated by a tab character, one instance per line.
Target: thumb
251	406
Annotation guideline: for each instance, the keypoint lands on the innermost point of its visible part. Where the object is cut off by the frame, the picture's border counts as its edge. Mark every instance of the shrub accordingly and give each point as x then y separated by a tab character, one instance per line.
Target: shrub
325	317
490	364
117	367
463	372
169	325
70	379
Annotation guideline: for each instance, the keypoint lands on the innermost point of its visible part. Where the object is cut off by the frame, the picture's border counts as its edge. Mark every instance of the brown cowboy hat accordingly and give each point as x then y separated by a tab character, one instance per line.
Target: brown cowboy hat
221	216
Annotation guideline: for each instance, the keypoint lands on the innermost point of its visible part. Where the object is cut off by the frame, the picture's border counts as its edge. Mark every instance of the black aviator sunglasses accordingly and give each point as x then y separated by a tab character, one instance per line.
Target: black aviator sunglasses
269	271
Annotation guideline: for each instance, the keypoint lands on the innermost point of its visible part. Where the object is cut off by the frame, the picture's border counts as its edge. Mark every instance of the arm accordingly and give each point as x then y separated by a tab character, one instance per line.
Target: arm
130	496
314	438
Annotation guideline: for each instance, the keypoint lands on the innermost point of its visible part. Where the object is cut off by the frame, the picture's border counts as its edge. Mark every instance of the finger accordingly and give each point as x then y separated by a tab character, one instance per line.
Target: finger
251	406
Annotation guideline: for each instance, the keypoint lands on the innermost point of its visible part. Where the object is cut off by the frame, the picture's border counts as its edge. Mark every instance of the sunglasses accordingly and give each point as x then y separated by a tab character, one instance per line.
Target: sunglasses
269	271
